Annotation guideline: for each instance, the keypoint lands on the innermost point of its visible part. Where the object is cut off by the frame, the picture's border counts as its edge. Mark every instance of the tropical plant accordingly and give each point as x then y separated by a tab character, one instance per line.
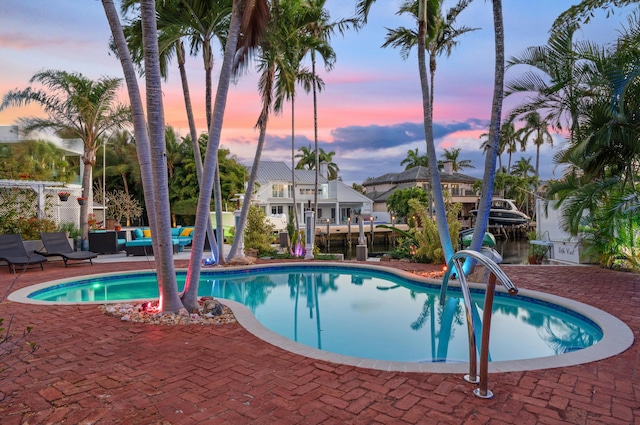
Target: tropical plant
457	165
76	107
537	253
30	227
422	244
322	29
442	36
274	65
399	201
258	232
38	159
413	159
538	128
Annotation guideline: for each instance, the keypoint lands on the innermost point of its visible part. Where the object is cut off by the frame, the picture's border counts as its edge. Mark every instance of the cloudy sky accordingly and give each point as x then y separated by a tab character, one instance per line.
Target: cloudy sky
370	111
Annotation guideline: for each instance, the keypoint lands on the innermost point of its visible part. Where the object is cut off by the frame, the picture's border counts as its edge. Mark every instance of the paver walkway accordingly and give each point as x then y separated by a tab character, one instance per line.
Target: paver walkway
95	369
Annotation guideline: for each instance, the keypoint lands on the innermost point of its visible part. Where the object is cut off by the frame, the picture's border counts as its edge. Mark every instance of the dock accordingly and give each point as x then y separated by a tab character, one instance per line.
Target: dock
343	235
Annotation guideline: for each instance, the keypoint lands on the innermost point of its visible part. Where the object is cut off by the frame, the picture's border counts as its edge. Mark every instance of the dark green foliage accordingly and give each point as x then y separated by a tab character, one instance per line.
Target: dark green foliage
398	201
258	233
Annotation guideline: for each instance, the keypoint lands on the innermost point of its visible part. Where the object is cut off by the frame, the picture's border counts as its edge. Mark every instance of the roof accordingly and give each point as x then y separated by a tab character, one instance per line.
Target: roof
270	171
416	174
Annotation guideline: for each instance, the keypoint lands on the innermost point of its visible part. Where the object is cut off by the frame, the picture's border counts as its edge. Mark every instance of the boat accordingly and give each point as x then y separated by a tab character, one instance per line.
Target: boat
503	212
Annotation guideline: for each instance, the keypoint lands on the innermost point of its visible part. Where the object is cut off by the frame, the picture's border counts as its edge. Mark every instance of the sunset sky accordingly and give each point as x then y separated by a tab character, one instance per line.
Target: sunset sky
370	111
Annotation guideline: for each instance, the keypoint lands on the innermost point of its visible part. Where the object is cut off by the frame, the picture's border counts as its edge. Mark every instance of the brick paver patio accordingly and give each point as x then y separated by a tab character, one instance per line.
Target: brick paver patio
95	369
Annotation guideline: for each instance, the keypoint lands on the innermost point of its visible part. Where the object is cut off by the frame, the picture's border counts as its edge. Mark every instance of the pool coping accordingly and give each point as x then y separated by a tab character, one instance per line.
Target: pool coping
617	336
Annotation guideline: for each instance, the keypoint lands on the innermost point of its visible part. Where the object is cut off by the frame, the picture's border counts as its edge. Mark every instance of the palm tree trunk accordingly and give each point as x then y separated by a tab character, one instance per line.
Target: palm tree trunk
161	227
434	175
494	135
315	134
168	289
217	189
293	171
211	158
244	212
197	156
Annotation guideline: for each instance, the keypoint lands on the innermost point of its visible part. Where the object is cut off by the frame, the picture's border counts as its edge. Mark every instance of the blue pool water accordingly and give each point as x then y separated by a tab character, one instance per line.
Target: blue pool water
364	313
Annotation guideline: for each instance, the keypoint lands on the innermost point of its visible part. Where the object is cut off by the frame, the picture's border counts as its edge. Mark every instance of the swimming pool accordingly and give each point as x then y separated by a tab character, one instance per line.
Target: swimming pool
370	315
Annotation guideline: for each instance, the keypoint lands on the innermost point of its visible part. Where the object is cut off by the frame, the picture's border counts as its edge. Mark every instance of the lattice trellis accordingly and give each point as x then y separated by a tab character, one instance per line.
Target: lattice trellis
30	198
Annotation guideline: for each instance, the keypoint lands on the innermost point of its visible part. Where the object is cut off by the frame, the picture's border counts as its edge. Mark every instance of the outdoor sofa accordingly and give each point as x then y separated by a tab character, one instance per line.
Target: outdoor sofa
141	241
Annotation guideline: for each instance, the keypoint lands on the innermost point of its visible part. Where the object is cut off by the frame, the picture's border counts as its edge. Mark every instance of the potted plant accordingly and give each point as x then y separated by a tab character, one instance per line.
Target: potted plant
81	200
64	195
537	253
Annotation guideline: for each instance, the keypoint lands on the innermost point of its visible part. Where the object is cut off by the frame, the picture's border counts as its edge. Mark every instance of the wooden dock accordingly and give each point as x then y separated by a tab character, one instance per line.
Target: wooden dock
344	235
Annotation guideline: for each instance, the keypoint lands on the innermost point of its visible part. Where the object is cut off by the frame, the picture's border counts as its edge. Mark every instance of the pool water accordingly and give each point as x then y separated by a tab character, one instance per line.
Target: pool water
365	313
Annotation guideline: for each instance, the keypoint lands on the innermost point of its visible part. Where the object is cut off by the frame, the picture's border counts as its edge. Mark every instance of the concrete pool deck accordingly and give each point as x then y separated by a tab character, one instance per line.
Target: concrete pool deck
91	368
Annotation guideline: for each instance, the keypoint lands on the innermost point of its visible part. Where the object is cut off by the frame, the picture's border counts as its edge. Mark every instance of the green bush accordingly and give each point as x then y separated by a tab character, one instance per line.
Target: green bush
30	228
258	232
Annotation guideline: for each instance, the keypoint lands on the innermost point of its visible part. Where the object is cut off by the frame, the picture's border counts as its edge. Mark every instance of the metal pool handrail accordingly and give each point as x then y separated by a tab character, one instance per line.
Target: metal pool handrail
495	273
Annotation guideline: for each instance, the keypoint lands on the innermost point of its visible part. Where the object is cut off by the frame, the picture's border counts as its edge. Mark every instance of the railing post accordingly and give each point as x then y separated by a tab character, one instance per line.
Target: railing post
495	273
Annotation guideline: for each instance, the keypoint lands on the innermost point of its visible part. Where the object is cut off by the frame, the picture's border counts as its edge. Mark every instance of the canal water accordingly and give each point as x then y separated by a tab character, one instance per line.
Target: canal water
512	251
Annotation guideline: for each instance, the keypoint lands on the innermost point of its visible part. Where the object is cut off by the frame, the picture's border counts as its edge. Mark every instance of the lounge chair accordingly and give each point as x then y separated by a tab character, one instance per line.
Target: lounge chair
57	245
12	251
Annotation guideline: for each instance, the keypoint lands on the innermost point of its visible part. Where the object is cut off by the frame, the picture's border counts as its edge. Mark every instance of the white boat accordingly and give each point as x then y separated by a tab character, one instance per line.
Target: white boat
505	213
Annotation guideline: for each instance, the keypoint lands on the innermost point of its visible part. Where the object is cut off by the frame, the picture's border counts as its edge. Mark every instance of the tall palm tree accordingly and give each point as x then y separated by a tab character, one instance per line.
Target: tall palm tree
413	159
76	107
275	69
200	22
426	19
169	297
441	33
538	128
248	17
322	29
276	74
452	155
494	135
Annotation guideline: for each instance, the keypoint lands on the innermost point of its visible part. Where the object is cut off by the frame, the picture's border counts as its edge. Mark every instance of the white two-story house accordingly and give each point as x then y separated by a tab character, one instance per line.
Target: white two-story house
336	201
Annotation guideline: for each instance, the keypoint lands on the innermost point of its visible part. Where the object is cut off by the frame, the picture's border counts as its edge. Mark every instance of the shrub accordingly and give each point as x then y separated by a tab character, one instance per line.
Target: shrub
258	232
30	228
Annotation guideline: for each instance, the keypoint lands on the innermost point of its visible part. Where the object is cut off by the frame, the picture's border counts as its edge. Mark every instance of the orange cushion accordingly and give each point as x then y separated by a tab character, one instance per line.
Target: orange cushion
186	231
146	233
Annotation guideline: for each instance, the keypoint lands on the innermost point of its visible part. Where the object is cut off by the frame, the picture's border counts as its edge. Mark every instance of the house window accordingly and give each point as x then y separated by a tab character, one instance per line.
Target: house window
276	209
277	190
306	191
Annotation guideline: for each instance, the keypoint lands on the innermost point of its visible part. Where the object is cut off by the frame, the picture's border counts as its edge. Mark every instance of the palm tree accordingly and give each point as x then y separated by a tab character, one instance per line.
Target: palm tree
452	155
274	65
535	126
169	298
413	159
332	167
321	29
248	17
307	159
494	135
201	22
557	80
76	107
522	167
426	16
442	35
